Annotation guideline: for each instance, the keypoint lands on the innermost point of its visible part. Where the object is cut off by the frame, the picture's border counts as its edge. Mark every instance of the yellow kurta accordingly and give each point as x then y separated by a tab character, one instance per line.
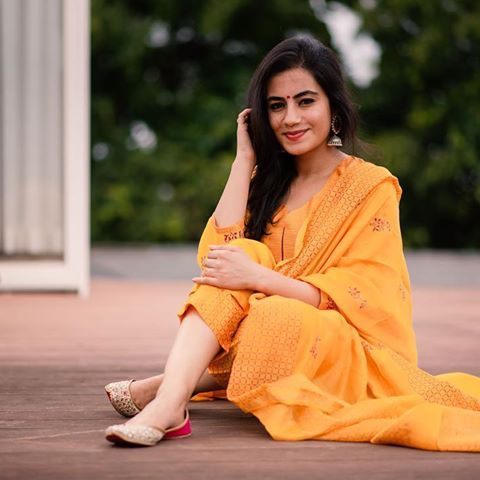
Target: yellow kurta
347	369
283	233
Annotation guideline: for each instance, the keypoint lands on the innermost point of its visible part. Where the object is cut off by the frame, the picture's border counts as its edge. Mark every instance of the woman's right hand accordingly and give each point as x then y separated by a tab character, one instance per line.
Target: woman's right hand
245	152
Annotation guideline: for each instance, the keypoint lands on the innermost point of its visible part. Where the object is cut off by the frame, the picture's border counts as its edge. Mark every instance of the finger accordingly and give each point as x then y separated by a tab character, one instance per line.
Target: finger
210	263
202	277
243	116
245	111
206	281
211	255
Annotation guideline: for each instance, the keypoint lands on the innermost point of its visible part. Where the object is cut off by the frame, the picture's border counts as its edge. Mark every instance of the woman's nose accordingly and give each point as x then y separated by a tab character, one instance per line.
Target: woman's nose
292	115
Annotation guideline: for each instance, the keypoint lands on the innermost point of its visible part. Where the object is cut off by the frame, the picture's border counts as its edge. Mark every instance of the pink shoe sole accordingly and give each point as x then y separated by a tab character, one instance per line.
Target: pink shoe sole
182	431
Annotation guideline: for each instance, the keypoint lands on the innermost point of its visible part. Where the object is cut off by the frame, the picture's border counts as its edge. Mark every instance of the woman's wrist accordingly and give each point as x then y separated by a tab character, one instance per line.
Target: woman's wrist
245	164
260	278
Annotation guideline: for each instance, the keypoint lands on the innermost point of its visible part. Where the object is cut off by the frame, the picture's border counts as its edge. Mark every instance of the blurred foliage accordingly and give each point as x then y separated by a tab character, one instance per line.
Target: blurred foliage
169	77
422	112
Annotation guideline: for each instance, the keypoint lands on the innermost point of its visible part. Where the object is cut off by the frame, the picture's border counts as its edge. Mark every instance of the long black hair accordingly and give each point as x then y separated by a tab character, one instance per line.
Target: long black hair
276	169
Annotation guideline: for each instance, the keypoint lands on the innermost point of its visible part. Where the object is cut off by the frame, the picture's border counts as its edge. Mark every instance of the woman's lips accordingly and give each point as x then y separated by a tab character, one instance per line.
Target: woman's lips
295	135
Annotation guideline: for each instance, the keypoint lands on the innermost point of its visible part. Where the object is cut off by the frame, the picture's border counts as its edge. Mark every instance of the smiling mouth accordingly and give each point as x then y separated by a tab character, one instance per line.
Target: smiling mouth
295	134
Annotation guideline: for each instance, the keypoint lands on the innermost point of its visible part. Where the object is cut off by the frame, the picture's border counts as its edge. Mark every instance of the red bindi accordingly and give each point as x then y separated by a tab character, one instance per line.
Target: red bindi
288	96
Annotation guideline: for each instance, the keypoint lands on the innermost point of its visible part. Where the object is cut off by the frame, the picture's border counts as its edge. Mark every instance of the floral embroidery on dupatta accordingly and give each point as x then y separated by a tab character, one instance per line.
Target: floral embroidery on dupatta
403	291
380	224
314	349
372	347
357	295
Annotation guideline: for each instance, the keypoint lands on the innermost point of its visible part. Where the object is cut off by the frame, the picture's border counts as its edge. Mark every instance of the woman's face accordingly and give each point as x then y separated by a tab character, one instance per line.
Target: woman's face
299	111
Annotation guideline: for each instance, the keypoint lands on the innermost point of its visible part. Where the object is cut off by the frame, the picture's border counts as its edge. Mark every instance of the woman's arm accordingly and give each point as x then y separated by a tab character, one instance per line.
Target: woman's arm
271	282
233	202
229	266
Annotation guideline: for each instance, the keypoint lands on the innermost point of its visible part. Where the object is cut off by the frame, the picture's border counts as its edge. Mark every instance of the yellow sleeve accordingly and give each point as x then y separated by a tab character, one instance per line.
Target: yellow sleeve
214	235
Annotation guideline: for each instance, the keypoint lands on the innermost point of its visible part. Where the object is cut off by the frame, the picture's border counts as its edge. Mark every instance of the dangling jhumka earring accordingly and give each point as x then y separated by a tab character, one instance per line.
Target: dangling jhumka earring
335	140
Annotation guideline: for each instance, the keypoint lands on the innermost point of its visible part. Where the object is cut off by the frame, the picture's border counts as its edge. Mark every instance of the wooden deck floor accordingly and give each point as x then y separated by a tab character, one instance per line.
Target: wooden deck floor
57	351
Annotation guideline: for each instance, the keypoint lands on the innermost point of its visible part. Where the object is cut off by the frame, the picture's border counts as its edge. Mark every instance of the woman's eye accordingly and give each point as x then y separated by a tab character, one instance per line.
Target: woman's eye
276	106
307	101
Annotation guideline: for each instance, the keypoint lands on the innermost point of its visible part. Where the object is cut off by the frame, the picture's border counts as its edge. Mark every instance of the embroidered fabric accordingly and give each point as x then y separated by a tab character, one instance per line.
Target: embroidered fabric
425	384
346	195
267	349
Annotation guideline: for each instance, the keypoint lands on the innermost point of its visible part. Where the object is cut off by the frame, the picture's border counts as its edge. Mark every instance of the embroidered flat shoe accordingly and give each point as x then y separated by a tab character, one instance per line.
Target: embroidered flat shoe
120	397
143	435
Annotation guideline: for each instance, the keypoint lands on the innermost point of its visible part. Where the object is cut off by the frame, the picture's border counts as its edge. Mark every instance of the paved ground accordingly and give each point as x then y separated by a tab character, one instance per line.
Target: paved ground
57	351
173	262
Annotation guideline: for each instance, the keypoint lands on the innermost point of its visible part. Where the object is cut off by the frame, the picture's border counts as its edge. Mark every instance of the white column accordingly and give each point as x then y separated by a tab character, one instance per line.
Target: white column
76	114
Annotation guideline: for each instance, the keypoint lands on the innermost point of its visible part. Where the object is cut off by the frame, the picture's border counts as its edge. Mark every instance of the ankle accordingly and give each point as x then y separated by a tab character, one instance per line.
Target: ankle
178	398
144	391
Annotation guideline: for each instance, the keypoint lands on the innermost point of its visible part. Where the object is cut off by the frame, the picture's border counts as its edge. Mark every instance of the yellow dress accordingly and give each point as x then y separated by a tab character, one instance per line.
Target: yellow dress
346	369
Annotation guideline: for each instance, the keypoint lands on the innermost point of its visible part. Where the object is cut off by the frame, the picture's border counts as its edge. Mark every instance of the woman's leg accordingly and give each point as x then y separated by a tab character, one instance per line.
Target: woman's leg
198	341
144	391
194	347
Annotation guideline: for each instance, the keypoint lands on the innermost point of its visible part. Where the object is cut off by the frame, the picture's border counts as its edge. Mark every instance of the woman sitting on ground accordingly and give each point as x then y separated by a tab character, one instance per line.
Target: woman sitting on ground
302	315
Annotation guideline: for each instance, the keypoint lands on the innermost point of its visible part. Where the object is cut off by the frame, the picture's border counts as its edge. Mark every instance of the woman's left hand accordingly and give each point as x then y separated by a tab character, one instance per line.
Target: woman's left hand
228	266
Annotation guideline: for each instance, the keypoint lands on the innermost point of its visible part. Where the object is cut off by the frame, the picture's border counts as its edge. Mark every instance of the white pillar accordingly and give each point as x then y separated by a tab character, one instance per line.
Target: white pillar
44	144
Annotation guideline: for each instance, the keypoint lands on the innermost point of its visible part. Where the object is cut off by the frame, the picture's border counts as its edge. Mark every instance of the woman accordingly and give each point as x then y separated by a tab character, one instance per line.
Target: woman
303	312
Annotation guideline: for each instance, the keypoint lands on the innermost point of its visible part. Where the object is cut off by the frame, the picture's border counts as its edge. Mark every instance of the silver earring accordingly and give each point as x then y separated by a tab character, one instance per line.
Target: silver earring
335	140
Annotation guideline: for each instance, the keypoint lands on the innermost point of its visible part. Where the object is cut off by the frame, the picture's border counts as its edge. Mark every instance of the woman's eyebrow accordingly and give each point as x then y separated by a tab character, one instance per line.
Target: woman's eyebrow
301	94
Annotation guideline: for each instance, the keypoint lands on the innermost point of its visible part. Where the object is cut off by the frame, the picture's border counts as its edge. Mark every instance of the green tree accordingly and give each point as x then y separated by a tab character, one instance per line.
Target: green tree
168	79
422	113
